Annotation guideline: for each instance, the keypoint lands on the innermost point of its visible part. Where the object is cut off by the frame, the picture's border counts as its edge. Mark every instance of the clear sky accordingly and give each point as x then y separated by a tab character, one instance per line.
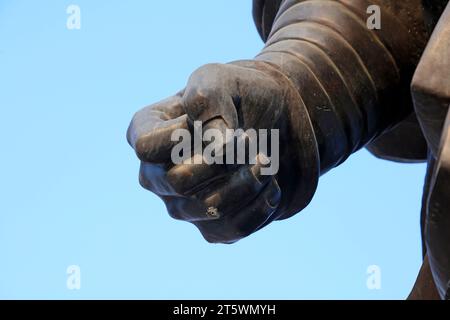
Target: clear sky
69	193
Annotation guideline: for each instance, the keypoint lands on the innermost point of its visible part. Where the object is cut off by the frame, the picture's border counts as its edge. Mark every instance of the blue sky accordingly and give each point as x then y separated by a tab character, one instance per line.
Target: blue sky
69	193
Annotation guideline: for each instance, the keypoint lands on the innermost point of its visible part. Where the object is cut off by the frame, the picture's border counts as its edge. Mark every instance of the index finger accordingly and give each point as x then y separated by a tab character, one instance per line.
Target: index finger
151	130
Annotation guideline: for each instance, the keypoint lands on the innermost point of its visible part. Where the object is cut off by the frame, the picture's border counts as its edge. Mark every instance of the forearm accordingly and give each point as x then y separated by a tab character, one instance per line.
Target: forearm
351	79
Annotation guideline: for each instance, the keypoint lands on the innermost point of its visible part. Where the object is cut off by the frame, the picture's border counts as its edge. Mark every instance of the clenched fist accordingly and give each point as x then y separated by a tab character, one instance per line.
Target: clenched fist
228	201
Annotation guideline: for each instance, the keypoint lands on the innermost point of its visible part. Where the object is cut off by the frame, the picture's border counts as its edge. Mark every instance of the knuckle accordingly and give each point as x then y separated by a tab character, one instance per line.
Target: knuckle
141	147
197	98
196	103
204	80
148	148
179	181
141	125
209	69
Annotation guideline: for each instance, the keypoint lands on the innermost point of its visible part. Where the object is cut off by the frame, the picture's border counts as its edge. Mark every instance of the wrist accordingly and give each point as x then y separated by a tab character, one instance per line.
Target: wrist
299	156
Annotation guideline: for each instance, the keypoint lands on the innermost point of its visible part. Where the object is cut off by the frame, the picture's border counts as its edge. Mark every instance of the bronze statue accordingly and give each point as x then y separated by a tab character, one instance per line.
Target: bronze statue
331	86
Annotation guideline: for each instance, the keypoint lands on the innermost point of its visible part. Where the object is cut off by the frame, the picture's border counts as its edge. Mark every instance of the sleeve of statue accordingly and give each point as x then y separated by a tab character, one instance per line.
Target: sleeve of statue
264	13
353	77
